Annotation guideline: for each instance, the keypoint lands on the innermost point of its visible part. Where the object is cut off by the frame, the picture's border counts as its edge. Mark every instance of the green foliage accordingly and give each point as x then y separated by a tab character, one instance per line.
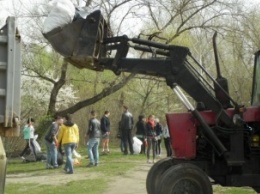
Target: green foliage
43	124
150	96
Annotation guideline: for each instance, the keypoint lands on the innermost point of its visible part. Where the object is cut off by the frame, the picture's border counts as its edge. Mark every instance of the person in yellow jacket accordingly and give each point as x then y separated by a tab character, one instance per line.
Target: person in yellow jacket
68	137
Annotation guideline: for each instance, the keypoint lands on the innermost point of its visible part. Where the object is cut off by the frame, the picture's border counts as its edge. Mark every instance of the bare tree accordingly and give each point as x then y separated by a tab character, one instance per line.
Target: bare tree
184	15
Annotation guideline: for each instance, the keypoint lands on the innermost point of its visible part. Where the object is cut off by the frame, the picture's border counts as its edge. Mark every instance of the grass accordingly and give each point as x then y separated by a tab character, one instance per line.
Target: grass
233	190
95	180
93	186
85	180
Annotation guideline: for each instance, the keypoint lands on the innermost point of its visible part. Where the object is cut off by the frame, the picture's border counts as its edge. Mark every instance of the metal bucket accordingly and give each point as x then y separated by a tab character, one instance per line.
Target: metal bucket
80	41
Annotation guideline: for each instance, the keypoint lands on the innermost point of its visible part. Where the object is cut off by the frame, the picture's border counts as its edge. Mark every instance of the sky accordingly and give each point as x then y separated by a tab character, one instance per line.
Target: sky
7	10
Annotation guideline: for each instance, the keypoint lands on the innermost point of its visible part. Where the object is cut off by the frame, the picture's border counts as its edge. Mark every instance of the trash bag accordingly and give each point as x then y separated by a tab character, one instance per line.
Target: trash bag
76	154
62	13
137	143
36	144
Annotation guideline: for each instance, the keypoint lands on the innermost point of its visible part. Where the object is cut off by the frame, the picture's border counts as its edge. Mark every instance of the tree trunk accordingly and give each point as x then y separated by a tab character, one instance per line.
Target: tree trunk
56	87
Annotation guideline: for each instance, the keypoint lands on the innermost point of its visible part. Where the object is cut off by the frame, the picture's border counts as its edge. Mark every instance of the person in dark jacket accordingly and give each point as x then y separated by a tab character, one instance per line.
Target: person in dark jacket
105	129
159	130
127	124
140	131
51	143
94	134
150	134
167	140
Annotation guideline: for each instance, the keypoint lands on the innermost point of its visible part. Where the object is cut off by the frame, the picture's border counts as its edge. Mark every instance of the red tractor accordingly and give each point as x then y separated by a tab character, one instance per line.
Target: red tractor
217	141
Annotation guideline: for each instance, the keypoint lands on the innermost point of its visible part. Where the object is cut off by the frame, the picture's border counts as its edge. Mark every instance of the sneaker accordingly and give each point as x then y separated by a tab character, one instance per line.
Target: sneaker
23	158
90	165
68	172
96	164
149	162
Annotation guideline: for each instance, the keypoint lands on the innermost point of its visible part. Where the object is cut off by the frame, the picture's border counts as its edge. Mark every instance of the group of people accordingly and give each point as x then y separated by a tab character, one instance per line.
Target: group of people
61	134
149	130
65	134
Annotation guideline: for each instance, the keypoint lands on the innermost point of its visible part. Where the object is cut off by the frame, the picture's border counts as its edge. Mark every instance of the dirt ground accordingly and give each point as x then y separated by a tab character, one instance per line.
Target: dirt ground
133	182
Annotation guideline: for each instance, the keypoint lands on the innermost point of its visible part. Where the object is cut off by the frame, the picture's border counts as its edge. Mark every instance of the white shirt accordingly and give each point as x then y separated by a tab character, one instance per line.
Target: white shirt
32	132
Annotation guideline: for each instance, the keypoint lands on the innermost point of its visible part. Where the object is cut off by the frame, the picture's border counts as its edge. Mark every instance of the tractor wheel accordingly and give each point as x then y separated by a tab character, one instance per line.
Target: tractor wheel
155	173
184	178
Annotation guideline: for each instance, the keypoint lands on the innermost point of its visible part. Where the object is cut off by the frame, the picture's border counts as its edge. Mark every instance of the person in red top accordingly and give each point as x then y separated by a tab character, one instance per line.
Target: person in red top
150	134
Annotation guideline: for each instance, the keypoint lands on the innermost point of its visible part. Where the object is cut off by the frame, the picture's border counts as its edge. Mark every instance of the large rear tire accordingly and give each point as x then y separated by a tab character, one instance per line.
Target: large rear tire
155	173
184	178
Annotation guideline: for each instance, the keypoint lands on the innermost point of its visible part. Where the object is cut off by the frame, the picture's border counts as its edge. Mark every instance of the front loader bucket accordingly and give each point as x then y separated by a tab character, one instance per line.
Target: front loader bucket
80	41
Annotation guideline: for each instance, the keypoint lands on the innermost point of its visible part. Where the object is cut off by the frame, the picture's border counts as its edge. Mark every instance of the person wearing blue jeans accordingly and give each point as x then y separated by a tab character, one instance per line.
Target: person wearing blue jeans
93	134
69	147
93	152
51	143
52	154
69	138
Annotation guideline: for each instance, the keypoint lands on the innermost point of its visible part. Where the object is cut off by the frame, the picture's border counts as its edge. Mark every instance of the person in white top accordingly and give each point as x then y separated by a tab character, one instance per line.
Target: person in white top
28	133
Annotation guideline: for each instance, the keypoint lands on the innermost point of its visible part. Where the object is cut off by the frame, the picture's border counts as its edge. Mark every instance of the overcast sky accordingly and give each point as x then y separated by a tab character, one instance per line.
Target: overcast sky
7	5
21	5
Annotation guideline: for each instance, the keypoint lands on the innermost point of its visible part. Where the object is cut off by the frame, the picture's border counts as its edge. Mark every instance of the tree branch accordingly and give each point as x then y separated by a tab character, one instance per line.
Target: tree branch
39	75
105	92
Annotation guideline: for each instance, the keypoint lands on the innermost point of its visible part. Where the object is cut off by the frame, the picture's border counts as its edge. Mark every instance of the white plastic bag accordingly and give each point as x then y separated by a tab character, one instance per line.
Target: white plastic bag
76	154
36	144
137	145
77	159
62	13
